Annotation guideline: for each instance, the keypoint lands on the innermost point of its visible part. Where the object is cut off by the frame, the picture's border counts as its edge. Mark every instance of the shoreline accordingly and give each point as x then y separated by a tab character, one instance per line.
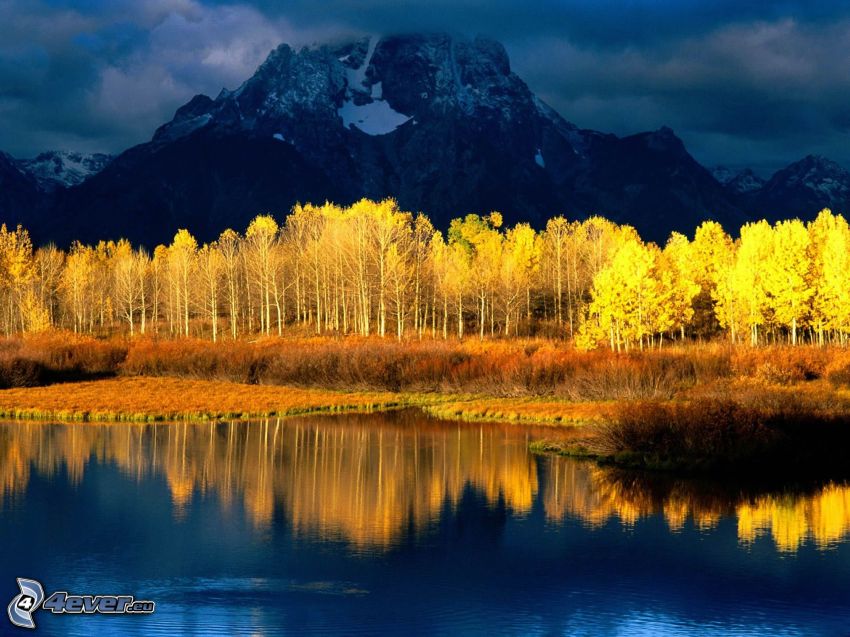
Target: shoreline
138	399
738	425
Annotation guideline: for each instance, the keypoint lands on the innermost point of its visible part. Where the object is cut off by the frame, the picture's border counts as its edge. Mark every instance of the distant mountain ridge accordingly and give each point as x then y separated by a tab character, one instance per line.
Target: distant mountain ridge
440	123
54	169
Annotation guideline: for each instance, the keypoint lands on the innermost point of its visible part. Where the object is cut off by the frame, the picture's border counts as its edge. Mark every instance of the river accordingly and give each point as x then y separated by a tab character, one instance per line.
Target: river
399	523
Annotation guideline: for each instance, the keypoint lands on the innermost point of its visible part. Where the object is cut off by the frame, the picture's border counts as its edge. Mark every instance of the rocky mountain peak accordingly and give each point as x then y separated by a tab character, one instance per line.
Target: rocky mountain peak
440	123
738	182
802	189
54	169
814	166
372	84
664	140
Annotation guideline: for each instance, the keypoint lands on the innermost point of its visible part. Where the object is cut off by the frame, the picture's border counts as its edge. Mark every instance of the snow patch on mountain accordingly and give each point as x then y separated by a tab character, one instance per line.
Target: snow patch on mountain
364	106
357	77
828	186
375	118
538	159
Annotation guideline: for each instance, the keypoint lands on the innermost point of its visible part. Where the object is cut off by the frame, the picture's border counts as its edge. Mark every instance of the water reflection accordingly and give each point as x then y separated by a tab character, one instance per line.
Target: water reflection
371	481
597	495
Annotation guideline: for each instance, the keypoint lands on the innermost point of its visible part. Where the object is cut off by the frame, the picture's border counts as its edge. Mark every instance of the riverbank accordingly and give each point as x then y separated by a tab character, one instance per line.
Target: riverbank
146	399
797	431
168	399
740	427
701	408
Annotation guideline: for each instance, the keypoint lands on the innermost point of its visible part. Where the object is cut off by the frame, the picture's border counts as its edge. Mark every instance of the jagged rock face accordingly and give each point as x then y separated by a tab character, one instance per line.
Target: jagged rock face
738	183
802	189
64	169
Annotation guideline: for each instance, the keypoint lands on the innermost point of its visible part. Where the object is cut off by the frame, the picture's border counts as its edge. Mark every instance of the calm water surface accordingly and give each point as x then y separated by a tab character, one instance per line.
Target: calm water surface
398	523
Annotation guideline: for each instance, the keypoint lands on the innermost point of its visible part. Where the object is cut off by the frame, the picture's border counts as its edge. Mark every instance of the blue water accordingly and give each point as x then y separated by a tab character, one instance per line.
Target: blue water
400	524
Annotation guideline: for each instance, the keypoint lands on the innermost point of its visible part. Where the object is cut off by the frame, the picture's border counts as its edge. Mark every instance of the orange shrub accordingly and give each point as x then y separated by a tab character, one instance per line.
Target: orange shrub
781	435
57	356
782	364
533	367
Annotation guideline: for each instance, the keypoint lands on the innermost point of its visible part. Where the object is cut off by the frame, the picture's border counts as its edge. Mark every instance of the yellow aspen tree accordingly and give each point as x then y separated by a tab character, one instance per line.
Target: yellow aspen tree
34	315
400	272
49	263
260	239
314	255
755	249
159	271
17	270
228	244
829	279
625	296
681	275
420	252
103	294
441	267
182	254
388	226
358	265
710	254
126	282
142	263
518	264
786	275
480	239
210	268
561	251
77	276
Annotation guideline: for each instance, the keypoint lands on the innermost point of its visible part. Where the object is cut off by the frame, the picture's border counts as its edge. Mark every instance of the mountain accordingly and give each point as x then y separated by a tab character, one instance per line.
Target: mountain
442	124
650	181
802	189
19	193
56	169
737	183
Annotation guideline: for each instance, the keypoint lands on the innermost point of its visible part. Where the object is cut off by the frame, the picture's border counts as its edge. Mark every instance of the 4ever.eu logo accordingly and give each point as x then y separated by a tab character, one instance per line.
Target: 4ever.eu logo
32	598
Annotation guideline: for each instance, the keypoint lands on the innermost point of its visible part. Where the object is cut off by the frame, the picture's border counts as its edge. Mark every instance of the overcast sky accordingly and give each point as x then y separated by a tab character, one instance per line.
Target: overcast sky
756	84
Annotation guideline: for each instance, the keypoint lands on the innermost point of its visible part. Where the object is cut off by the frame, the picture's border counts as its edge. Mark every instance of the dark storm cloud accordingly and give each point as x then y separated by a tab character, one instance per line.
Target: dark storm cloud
104	75
744	83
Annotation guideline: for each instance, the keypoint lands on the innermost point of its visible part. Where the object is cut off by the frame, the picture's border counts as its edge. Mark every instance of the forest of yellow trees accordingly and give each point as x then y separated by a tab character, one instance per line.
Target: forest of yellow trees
373	268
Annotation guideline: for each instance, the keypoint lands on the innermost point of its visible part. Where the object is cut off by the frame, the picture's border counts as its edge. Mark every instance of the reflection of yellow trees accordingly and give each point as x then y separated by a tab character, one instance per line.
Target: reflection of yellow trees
823	517
362	479
367	480
597	495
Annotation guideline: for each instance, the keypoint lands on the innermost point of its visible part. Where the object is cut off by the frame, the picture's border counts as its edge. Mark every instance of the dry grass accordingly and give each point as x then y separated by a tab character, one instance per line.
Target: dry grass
180	399
524	410
163	398
499	368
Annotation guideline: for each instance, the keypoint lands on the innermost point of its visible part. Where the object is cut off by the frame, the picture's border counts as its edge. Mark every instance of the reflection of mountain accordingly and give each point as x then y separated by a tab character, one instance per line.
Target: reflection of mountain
368	480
